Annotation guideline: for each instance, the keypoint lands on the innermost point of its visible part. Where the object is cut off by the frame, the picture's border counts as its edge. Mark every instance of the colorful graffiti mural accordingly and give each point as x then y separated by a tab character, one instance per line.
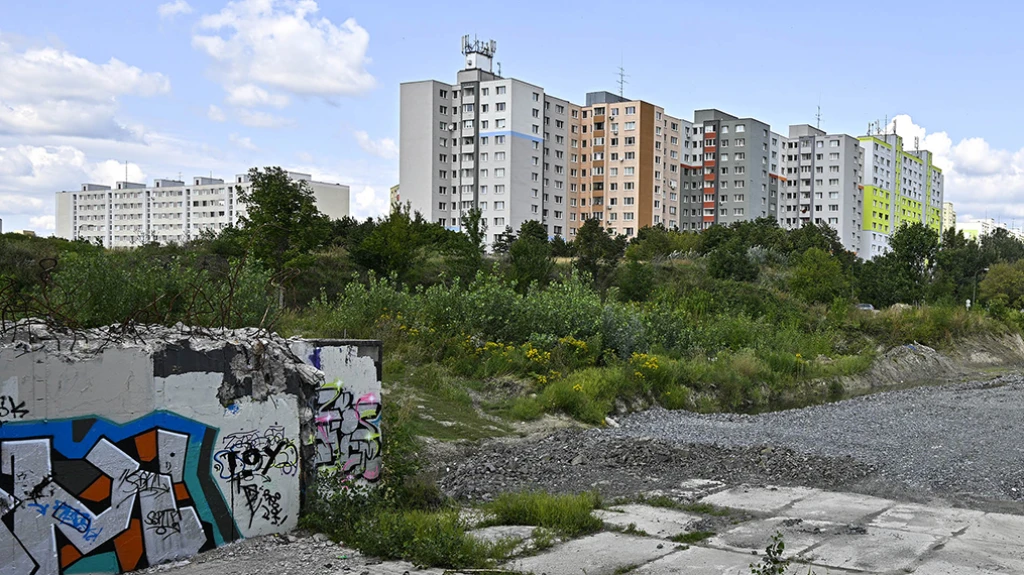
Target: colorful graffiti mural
88	495
348	435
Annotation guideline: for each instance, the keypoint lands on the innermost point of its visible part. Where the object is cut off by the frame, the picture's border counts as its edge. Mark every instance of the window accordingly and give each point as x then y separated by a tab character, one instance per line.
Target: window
499	172
500	90
483	124
499	205
499	139
833	143
630	140
499	123
628	171
499	189
499	156
630	110
536	113
740	142
628	215
499	107
536	129
629	125
444	93
741	128
628	201
536	97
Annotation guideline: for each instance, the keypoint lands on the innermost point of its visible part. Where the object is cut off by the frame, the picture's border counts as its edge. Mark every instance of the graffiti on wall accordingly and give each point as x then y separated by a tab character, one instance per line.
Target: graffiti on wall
249	461
88	495
348	436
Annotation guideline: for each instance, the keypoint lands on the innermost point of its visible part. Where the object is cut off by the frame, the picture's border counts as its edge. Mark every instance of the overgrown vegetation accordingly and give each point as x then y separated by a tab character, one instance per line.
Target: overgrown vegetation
738	318
567	515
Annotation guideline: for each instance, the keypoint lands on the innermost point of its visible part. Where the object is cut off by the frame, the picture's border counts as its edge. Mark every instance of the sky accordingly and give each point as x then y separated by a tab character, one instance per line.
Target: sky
160	88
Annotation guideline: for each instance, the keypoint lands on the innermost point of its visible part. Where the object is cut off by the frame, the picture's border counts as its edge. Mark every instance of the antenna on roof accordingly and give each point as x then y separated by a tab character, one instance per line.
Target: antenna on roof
818	117
499	68
622	78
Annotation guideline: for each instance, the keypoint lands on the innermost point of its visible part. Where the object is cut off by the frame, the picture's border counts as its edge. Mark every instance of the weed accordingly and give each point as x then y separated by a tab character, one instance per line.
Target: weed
773	563
568	515
693	537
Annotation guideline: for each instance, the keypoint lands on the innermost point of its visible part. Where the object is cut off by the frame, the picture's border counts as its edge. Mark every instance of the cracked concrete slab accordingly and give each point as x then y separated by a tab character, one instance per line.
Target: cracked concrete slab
798	534
700	561
655	521
924	519
997	528
837	507
601	554
964	556
759	499
877	550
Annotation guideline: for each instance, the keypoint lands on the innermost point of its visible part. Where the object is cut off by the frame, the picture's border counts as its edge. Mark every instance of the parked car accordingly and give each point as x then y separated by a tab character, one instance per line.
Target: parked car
865	307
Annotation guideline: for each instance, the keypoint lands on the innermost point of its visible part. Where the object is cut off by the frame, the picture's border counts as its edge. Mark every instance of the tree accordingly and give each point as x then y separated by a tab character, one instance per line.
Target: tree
530	261
397	242
818	277
597	253
560	248
635	281
281	221
503	241
534	229
957	263
467	249
1005	282
912	256
1000	246
730	261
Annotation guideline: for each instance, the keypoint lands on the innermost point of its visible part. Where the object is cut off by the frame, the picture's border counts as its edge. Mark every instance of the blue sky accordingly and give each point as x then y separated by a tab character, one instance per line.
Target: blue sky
213	86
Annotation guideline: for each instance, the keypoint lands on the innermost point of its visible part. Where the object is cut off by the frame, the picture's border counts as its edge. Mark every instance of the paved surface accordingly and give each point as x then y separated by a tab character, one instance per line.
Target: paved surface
960	441
824	532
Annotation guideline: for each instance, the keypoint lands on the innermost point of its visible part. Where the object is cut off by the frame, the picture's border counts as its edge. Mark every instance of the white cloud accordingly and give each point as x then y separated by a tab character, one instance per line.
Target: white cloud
255	119
282	45
215	114
980	180
51	91
250	95
244	143
370	201
43	222
383	148
172	9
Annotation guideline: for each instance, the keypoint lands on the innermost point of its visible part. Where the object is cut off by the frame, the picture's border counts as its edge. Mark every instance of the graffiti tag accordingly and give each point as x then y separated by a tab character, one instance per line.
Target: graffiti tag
10	409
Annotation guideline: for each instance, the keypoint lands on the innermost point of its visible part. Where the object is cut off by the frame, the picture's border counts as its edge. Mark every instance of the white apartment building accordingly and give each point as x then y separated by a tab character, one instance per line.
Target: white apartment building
131	214
821	182
977	229
497	143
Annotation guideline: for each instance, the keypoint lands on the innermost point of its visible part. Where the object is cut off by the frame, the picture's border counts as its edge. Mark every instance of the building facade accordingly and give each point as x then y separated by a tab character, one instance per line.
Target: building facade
821	182
900	187
948	217
977	229
131	214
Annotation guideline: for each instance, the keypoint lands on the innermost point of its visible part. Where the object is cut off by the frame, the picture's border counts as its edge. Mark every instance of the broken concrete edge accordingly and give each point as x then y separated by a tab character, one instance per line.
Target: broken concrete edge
231	427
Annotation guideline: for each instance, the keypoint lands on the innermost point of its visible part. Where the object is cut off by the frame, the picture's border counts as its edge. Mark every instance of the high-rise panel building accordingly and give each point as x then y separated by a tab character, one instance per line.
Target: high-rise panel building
130	214
628	174
518	153
499	144
726	171
822	182
900	187
948	216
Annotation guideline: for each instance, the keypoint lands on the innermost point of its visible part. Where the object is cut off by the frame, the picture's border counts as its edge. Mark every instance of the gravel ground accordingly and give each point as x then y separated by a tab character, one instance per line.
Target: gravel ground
959	442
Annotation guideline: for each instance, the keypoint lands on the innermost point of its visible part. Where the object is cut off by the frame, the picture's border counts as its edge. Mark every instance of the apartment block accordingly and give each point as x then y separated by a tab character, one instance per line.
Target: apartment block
977	229
130	214
900	186
726	171
628	171
518	154
496	143
821	182
948	216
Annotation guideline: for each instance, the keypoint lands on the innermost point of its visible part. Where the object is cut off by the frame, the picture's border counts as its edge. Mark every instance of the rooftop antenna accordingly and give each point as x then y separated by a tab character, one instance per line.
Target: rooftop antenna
499	68
622	78
917	143
818	117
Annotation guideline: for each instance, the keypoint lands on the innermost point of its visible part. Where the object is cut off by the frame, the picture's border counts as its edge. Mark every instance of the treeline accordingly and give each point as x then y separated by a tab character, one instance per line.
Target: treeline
285	254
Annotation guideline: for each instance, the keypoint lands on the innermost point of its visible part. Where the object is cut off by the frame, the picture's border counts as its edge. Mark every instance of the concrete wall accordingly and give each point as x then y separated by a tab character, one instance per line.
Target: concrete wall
126	456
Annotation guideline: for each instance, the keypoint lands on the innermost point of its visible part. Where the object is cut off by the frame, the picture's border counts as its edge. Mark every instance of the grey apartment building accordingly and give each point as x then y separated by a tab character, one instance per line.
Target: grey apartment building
497	143
821	179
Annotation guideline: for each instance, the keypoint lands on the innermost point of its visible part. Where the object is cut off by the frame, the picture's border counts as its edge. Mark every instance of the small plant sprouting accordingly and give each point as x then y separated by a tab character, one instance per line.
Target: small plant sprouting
773	562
